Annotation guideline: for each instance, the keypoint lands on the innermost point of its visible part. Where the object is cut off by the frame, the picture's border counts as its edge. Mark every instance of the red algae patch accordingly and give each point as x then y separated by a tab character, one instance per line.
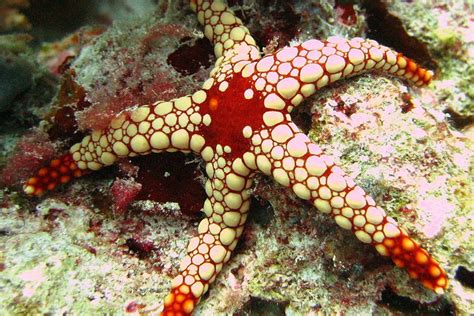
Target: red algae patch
122	70
124	191
169	177
28	156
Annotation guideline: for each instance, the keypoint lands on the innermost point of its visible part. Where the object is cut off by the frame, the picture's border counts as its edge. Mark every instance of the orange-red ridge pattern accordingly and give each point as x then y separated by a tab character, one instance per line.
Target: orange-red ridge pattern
180	302
406	253
60	171
415	71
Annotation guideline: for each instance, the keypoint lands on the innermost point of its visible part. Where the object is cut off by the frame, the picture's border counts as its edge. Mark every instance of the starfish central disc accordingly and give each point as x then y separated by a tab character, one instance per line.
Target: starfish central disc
230	103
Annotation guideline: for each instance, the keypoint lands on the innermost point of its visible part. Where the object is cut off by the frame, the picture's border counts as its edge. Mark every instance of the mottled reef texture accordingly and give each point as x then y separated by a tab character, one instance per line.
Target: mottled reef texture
112	240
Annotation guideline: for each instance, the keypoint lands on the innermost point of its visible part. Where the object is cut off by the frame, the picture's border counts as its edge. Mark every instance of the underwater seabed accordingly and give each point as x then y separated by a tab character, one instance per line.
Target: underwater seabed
111	242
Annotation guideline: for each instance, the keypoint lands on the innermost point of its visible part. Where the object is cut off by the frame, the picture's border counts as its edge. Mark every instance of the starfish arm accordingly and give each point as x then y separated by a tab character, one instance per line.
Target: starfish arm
294	161
223	28
226	212
293	73
163	126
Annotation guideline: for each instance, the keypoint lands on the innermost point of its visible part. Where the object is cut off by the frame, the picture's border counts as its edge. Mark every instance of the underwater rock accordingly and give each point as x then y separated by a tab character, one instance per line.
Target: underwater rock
15	78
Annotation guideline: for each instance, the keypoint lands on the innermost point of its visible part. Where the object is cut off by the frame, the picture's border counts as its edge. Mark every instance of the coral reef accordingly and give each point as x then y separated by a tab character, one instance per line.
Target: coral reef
411	149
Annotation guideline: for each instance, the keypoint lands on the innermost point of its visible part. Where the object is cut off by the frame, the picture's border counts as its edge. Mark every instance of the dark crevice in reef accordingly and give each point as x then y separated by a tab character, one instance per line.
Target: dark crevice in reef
465	277
407	306
261	212
142	249
271	20
189	58
388	30
458	120
162	177
258	307
301	116
53	19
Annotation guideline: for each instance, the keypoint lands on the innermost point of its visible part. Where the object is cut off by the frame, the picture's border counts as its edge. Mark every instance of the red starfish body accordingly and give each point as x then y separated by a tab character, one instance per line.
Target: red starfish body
230	111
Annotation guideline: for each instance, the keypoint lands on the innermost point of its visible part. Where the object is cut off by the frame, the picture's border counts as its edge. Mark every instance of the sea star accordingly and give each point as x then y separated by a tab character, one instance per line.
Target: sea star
240	124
